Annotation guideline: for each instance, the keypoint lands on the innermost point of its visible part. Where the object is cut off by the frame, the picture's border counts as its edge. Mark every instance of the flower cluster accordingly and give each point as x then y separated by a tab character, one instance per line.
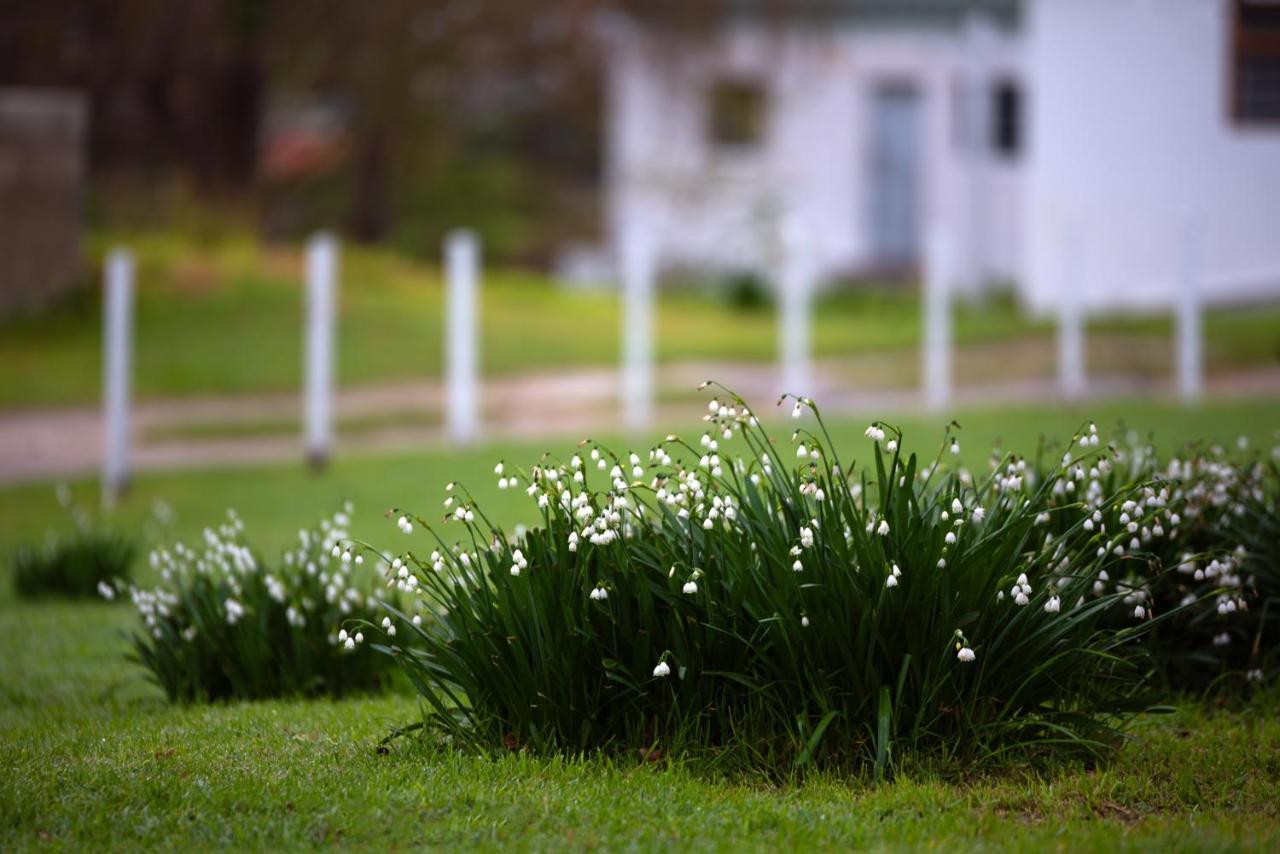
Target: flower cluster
221	623
737	578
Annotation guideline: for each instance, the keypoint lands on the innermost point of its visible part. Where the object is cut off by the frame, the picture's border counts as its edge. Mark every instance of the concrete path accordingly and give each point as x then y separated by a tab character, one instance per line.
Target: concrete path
253	429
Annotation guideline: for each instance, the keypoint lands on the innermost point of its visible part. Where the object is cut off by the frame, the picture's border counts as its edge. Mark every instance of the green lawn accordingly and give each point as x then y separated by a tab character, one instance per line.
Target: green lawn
91	755
225	317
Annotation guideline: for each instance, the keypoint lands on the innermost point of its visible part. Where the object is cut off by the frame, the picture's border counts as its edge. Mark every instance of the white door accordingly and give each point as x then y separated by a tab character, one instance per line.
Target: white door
895	174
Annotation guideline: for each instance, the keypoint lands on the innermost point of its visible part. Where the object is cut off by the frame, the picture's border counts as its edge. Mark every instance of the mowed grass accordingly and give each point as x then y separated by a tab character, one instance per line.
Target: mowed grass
225	317
92	756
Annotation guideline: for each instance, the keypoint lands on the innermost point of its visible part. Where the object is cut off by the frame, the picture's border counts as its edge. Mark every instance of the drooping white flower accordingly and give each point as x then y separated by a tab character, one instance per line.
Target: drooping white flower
690	587
883	529
663	669
1053	605
891	581
965	654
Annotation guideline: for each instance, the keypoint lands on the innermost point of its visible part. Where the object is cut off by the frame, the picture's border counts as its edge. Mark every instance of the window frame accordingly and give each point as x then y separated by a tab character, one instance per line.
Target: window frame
1242	43
749	87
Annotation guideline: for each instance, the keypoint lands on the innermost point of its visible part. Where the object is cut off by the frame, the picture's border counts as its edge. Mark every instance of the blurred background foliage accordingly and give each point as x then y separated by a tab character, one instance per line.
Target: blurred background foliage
394	119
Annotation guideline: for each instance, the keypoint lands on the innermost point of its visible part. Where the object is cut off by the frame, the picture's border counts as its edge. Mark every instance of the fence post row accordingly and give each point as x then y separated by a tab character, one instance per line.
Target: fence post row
936	357
1190	317
1071	364
462	265
638	269
795	281
117	342
322	275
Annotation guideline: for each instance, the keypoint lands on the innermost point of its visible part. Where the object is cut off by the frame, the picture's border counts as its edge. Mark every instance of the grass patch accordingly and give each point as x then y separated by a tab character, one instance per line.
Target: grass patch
91	756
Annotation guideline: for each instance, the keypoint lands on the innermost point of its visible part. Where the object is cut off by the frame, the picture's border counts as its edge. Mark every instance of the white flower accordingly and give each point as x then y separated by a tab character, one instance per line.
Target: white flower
106	591
797	566
891	445
965	654
690	588
350	643
662	670
979	513
883	530
498	468
955	449
797	411
598	594
1053	605
874	433
342	635
1139	612
891	581
802	451
950	538
804	622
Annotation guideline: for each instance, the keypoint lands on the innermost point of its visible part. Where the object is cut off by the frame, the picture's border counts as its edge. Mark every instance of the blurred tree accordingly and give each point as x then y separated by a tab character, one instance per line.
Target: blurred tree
484	111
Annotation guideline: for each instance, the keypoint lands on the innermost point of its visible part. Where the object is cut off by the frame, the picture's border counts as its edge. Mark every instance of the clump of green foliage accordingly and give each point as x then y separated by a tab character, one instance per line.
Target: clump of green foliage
222	624
76	564
775	605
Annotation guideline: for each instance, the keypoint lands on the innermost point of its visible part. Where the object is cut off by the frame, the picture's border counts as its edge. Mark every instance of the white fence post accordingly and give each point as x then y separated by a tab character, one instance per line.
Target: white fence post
117	341
1190	319
795	292
936	358
637	265
462	264
322	276
1071	363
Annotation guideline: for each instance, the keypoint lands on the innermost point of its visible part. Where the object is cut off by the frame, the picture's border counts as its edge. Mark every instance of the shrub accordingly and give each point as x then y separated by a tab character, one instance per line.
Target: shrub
222	624
776	606
1196	541
76	564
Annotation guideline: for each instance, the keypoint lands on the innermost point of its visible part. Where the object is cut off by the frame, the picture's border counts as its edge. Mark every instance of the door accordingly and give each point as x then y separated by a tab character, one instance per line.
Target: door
895	175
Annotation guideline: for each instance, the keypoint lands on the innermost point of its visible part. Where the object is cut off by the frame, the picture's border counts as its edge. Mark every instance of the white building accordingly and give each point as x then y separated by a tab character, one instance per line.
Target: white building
1025	130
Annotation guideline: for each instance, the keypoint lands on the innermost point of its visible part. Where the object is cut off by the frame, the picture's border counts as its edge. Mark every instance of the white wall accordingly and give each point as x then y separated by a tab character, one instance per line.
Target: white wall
1129	132
720	209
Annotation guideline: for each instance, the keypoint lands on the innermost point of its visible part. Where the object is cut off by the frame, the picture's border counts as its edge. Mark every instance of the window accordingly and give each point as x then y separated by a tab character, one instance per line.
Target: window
1255	61
737	112
1006	118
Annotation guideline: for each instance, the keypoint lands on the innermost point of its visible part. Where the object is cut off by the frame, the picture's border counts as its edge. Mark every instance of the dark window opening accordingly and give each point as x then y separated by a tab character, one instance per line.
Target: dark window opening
1006	118
1255	61
737	113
